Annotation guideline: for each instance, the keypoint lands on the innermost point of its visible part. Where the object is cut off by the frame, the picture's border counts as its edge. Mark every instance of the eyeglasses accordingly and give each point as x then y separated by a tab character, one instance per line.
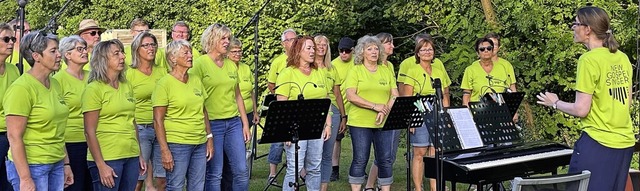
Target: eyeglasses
577	24
6	39
149	45
289	40
487	48
179	32
345	51
80	48
236	52
140	31
93	33
425	50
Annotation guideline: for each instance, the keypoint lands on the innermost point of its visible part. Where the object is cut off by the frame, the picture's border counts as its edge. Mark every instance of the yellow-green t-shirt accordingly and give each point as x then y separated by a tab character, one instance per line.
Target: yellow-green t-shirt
408	64
333	79
115	132
220	86
343	68
294	75
277	65
14	60
607	77
10	75
245	79
72	89
143	86
391	68
46	115
478	81
423	86
184	120
374	87
506	66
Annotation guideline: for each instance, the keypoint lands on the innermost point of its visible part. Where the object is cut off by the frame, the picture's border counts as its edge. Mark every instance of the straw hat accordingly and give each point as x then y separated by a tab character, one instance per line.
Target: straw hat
88	24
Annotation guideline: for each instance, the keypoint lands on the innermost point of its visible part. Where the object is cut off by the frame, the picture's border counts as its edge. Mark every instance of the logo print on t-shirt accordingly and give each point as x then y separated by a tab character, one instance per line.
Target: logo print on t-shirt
616	76
197	92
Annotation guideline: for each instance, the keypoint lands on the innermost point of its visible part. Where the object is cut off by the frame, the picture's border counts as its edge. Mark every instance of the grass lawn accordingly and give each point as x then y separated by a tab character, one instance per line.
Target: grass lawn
261	170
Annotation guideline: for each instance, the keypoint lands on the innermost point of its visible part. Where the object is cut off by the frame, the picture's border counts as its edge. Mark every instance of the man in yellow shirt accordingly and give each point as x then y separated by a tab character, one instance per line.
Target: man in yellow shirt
180	31
277	65
343	64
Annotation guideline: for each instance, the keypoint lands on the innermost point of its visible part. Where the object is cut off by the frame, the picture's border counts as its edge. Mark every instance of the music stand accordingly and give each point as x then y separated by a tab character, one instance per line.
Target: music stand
295	120
404	115
512	100
447	132
494	122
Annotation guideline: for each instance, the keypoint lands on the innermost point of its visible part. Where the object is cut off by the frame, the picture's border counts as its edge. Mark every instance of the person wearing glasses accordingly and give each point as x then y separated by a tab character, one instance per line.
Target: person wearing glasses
143	76
90	32
180	31
36	116
408	64
484	75
302	69
422	144
225	106
277	65
15	25
109	105
246	83
371	90
184	138
72	81
323	61
602	102
8	74
343	64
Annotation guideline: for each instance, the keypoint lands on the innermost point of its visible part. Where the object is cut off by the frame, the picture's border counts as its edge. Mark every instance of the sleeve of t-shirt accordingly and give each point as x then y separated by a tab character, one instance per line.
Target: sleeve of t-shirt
402	71
91	99
446	81
160	96
410	82
18	101
510	71
586	76
273	72
284	88
466	79
336	76
351	80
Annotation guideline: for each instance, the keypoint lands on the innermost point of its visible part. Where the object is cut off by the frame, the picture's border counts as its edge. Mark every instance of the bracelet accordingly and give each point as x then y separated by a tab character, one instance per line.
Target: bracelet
555	104
209	136
344	116
67	164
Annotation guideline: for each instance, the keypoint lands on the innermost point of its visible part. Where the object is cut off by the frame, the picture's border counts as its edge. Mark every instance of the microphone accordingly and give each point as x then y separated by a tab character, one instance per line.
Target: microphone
301	97
437	84
22	3
424	81
278	86
404	75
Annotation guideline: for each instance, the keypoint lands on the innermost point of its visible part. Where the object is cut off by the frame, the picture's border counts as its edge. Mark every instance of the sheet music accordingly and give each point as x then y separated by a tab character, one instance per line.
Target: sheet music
466	127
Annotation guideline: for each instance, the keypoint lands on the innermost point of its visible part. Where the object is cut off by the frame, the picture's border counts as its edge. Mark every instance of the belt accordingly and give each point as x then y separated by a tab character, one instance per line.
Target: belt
146	125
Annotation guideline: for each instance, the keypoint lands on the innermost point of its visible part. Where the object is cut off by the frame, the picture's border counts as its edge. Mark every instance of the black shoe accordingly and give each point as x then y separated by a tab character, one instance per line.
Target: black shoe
272	181
335	176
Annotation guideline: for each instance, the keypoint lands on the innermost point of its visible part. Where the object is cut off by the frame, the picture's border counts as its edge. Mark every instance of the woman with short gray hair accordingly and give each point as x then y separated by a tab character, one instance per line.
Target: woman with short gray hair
143	75
109	106
72	80
184	138
36	115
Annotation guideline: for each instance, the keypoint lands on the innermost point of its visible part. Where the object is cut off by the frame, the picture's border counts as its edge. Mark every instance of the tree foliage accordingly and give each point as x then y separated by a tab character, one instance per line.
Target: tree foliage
536	36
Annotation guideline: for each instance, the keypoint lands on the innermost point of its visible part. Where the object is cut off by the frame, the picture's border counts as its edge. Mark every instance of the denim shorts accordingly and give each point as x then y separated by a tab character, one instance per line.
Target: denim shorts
420	137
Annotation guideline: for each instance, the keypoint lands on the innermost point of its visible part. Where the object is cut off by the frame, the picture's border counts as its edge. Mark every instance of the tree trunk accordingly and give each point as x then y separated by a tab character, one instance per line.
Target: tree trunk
489	14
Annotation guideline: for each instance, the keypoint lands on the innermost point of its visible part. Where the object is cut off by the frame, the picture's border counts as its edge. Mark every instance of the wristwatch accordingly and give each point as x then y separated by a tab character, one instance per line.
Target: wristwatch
555	105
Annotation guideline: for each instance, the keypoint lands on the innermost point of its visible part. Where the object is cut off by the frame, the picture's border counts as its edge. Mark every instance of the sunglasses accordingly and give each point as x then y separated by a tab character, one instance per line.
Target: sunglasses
488	48
345	51
94	33
6	39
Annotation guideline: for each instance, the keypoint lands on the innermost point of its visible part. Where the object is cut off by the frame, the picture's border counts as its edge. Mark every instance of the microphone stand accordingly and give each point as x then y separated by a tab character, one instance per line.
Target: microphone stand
21	5
51	25
256	53
437	85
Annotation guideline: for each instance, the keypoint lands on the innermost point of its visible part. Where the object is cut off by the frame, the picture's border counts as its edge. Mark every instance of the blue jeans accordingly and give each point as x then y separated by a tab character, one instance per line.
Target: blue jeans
226	173
309	157
361	139
45	176
227	141
190	162
147	140
77	153
327	148
127	170
275	153
4	149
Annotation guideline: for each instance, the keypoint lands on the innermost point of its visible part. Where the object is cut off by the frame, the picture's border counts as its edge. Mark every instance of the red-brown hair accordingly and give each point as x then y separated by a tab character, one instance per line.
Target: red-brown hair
294	53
